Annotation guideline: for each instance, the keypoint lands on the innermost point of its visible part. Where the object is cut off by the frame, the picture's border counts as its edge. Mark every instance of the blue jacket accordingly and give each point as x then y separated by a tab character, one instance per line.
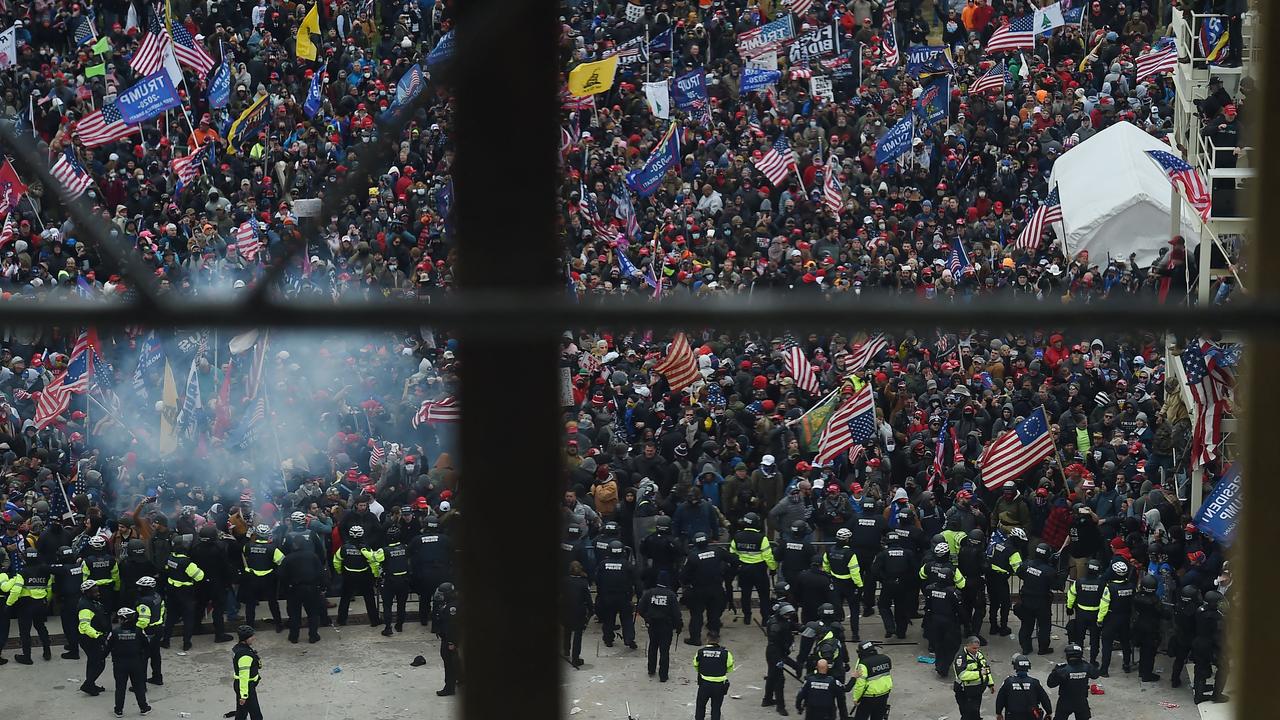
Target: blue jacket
692	519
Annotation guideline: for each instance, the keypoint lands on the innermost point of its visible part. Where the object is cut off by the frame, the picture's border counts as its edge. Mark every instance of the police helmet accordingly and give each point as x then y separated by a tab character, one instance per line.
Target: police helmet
941	550
66	553
1212	598
244	632
953	522
700	539
977	536
1148	583
1021	662
298	518
356	532
800	527
1043	551
826	610
868	503
751	520
816	560
88	585
786	609
126	614
262	529
446	588
611	528
844	535
136	547
616	547
30	554
433	523
1190	592
97	542
781	588
146	581
1094	567
1018	534
298	542
867	649
663	525
1120	568
1074	652
207	533
938	538
573	530
393	532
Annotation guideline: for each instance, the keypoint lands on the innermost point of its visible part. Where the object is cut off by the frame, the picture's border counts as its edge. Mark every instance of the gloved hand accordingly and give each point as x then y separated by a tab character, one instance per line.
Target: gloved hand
1071	611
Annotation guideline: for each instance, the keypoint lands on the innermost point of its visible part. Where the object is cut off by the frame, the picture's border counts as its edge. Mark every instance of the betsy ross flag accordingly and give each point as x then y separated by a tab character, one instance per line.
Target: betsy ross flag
103	126
150	53
798	366
779	161
445	410
679	367
831	187
863	354
995	79
853	423
1049	212
1210	380
1186	179
1018	34
1017	450
245	238
1161	58
189	51
71	175
889	54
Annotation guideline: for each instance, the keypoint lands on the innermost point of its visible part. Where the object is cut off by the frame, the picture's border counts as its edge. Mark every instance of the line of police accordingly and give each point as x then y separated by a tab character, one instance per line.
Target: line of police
147	600
958	576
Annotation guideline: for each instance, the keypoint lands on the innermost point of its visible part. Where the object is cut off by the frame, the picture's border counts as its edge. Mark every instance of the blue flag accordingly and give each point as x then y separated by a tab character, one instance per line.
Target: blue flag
148	98
929	60
690	95
663	41
625	265
754	78
443	51
1220	513
935	97
410	84
220	86
959	259
665	155
315	95
896	141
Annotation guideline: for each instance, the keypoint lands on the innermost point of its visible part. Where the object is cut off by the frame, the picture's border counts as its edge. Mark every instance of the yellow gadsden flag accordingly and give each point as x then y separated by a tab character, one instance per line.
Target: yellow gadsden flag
593	78
168	407
306	47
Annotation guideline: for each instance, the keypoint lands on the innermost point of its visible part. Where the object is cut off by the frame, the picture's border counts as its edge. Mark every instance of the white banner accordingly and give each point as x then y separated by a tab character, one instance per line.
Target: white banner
767	61
658	95
1048	18
820	87
9	47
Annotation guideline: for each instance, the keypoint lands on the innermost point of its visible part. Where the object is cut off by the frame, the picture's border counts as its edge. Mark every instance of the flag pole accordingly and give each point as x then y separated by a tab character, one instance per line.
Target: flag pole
110	414
1057	455
825	398
275	438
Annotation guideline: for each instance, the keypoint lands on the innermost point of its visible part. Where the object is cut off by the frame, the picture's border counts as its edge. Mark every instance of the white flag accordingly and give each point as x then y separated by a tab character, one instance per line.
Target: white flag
1048	18
767	61
171	64
131	20
658	94
9	47
820	87
635	12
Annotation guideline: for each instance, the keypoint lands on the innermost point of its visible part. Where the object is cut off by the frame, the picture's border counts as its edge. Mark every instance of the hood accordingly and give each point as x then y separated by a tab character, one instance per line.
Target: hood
709	469
899	494
444	462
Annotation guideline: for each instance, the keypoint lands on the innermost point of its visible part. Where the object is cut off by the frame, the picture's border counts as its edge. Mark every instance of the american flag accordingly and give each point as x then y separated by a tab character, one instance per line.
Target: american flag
56	397
779	161
625	211
753	124
1017	450
150	53
71	175
189	51
938	472
377	453
244	433
1186	179
995	79
591	215
679	367
103	126
1018	34
1048	213
800	7
863	354
188	167
801	73
245	238
9	230
569	101
446	410
853	423
958	262
891	7
1161	58
798	366
1210	381
79	366
889	55
831	187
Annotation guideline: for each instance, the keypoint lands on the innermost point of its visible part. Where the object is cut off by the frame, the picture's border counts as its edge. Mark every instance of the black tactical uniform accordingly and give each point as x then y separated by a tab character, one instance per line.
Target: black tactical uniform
702	577
750	546
660	609
431	563
868	534
1084	599
259	580
246	670
713	663
780	633
129	648
1036	601
1184	631
447	625
661	553
1148	612
794	553
213	557
1116	617
1005	562
1021	696
28	599
814	588
942	611
396	579
93	628
1211	662
895	569
972	563
302	575
67	576
841	563
821	697
616	585
1072	677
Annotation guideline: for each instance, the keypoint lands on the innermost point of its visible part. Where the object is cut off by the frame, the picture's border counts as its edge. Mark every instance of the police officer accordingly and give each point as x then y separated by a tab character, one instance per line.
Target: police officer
213	557
261	557
616	584
446	624
660	551
1148	612
29	593
872	683
395	578
942	611
302	576
794	553
824	639
575	549
868	533
1022	697
5	581
99	565
973	677
431	561
972	564
821	696
895	569
660	609
67	576
815	588
1036	600
608	533
136	564
246	671
713	663
939	568
358	565
755	561
841	563
576	609
702	577
1115	615
780	633
1084	600
1207	649
151	620
1184	631
1005	561
181	574
1072	678
129	649
93	628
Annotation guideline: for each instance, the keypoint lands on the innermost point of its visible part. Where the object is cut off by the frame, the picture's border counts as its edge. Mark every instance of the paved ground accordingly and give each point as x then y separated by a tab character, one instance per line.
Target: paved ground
376	682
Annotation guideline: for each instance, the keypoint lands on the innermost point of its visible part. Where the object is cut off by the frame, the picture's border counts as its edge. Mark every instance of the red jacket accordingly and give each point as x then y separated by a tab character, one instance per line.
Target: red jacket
1056	527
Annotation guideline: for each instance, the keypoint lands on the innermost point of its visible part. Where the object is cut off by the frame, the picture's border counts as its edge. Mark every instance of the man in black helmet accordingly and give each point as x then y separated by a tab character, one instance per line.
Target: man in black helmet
661	552
1184	631
302	576
821	696
1073	677
28	599
431	561
755	561
129	648
1022	697
136	564
181	574
841	563
448	626
1148	612
211	554
66	588
93	628
1115	615
1036	600
1084	600
617	583
872	683
702	577
780	633
660	609
151	620
394	559
972	563
357	563
895	568
246	669
1207	649
794	552
260	559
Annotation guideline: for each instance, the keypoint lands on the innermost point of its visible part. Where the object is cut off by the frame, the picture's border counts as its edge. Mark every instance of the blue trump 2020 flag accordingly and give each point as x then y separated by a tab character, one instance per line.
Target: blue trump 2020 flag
665	155
754	78
148	98
690	92
935	96
896	141
1220	513
220	86
443	51
315	96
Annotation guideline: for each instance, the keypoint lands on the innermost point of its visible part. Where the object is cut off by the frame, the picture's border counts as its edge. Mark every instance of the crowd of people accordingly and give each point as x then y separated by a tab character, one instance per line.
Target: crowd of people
230	471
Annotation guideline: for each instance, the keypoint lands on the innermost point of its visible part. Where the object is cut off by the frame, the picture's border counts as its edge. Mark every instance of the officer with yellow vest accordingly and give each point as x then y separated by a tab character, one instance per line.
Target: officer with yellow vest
261	556
181	574
872	683
5	581
100	566
29	593
973	677
713	663
94	626
841	563
1006	560
394	561
359	567
151	620
246	668
755	561
1084	600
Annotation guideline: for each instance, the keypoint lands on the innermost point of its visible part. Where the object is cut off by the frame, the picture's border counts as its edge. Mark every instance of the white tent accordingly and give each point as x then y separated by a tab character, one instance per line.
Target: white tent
1115	199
